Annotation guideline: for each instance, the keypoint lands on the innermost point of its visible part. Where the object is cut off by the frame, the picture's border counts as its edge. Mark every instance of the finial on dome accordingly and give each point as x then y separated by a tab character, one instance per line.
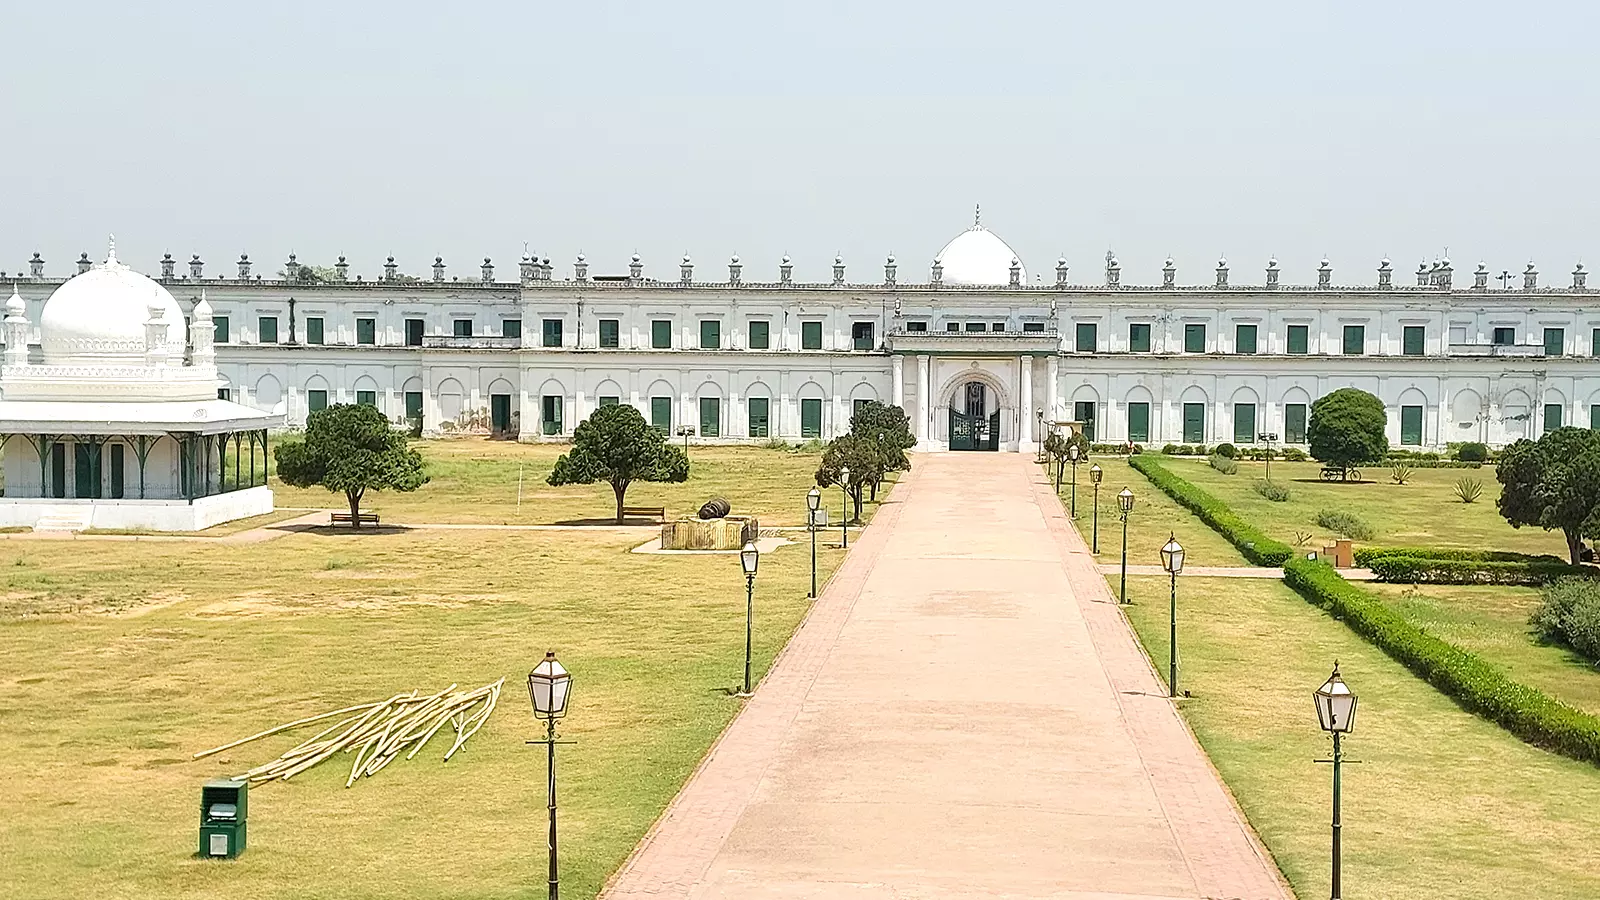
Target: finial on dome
111	248
202	310
977	215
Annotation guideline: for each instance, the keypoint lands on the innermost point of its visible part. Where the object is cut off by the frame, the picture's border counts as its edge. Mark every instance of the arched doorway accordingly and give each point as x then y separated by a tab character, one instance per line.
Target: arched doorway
972	425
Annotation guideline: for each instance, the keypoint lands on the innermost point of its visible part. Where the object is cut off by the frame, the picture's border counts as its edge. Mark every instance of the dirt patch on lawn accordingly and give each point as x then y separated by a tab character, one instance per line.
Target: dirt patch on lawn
20	606
262	603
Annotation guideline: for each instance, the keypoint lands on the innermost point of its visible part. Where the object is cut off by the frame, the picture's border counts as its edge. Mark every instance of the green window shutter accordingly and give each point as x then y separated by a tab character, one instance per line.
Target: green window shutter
1139	337
759	427
221	325
1355	340
759	335
1194	423
511	328
1194	338
366	398
1411	426
1413	340
1594	417
1552	417
316	401
267	330
810	335
1244	339
1294	423
551	413
811	417
661	334
552	332
1244	423
413	404
314	330
661	414
1594	343
1505	337
610	334
861	336
1084	338
118	469
1299	339
710	334
1555	341
710	417
1139	422
414	332
610	401
461	328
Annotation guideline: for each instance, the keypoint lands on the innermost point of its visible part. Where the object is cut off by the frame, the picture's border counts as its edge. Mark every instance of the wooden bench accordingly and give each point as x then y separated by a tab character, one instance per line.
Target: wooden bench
361	520
659	513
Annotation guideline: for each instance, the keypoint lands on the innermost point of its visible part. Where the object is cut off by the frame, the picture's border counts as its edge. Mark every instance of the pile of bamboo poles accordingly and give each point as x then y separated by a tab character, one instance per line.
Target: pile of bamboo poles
377	732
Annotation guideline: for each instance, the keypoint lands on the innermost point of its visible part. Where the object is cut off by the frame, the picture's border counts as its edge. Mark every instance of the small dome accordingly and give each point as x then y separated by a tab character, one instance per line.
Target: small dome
202	307
1384	262
785	259
1272	262
634	258
17	307
978	257
1222	262
99	317
734	258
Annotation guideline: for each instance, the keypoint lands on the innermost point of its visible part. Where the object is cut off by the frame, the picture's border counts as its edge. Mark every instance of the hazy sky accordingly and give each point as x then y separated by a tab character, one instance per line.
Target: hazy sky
1353	129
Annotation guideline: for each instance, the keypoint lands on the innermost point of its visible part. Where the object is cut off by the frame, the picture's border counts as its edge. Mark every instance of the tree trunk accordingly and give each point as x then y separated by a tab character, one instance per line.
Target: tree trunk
621	490
354	497
1574	545
857	499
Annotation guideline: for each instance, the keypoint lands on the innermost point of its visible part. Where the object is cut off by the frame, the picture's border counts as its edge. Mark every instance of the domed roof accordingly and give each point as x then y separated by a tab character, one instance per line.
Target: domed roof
977	257
98	317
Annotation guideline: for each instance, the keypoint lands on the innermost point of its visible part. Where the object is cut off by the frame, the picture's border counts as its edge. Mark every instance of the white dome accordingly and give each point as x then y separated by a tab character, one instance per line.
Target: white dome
977	257
99	317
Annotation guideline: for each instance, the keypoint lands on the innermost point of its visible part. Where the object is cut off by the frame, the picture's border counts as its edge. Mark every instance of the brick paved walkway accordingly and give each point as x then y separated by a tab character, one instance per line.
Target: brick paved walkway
964	714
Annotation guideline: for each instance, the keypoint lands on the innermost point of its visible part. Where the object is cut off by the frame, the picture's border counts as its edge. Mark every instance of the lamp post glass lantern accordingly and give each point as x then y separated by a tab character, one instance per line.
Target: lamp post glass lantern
1095	474
1172	561
549	687
750	560
1124	507
844	517
813	503
1336	714
1267	437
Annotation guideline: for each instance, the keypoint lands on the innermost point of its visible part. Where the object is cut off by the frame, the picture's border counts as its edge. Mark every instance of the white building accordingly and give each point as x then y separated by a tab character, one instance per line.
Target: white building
975	352
108	424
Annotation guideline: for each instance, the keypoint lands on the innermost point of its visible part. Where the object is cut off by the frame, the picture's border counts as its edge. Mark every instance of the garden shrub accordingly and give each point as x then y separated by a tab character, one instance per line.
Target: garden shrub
1226	450
1277	493
1170	449
1473	452
1251	541
1416	570
1365	555
1200	450
1468	489
1223	464
1294	454
1476	684
1569	613
1346	523
1399	471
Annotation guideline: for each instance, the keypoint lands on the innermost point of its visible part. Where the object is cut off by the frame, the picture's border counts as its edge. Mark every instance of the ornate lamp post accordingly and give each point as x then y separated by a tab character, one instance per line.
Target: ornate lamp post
844	517
1172	561
750	559
1267	437
1124	506
1336	713
549	686
1095	474
1072	457
813	503
1038	415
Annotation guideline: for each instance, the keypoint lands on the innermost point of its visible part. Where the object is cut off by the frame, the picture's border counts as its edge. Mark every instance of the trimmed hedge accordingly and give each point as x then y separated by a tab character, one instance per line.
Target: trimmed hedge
1365	555
1251	541
1481	687
1414	570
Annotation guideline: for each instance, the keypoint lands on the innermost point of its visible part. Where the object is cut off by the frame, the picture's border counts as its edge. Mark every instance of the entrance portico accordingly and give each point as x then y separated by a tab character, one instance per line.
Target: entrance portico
976	391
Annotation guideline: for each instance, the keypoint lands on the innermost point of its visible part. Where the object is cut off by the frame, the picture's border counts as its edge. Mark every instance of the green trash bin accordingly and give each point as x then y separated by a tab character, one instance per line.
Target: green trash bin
223	807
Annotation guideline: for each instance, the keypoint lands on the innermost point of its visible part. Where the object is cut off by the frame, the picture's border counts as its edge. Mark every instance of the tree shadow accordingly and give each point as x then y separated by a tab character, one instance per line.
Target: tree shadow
608	521
348	531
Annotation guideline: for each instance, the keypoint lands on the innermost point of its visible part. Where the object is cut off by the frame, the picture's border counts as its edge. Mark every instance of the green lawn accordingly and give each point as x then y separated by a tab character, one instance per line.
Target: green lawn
1154	519
1422	512
123	659
474	480
1493	623
1442	804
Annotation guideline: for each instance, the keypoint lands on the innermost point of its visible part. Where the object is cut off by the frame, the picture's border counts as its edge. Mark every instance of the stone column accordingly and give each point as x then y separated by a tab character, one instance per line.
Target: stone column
898	393
1052	389
1025	431
924	407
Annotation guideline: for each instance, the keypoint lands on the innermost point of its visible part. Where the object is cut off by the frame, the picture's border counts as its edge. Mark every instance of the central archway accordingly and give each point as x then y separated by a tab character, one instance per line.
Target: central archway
974	417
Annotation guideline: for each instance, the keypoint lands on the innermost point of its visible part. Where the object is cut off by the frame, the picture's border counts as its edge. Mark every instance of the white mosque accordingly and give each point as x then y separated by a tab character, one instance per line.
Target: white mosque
113	420
977	352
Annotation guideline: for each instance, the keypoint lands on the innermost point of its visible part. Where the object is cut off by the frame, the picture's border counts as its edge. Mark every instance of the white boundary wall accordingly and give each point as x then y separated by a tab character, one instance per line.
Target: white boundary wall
139	515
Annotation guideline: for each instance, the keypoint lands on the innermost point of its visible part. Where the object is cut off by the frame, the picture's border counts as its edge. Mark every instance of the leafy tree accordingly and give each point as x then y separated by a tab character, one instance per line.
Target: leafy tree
616	445
350	449
890	429
865	459
1554	482
1347	429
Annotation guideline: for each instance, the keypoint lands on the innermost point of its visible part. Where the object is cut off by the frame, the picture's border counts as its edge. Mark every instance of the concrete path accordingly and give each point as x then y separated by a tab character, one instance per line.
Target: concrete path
964	714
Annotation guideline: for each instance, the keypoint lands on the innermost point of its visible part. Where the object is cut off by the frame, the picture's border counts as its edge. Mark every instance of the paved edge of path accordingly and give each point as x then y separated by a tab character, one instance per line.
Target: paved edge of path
678	849
1223	853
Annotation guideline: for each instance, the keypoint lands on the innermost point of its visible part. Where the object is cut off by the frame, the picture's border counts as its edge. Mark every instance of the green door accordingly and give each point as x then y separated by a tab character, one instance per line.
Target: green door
413	411
1244	423
661	414
58	470
811	418
1411	426
499	413
963	431
86	470
1294	423
710	417
759	427
1083	411
117	466
1552	417
1194	423
1139	422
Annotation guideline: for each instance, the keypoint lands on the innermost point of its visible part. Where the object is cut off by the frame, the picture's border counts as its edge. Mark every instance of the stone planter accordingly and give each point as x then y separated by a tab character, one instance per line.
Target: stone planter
727	533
